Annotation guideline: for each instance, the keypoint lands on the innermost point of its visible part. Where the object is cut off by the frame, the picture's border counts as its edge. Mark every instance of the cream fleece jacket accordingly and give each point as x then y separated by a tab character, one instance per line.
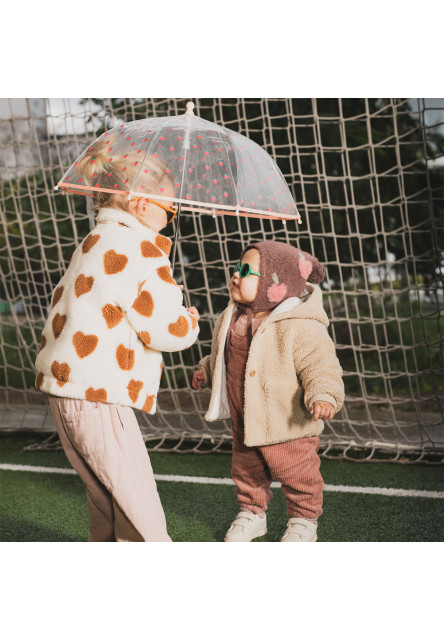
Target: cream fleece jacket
291	364
114	311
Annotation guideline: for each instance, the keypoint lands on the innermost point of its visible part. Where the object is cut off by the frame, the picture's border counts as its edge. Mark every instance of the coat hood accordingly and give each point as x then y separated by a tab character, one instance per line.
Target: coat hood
307	307
285	270
117	216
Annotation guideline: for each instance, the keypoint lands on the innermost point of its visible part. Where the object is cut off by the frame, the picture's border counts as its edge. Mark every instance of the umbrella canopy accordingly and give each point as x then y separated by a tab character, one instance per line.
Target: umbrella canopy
209	168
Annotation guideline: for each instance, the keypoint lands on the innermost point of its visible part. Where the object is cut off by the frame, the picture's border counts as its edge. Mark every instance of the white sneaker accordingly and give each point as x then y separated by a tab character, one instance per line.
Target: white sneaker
300	530
246	526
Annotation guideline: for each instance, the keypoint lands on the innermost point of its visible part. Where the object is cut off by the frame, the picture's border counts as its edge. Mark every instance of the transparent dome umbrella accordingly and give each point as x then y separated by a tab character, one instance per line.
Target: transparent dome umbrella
205	168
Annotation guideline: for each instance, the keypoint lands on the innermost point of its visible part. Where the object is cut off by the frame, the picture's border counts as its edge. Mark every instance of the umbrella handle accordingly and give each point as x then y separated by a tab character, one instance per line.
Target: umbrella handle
173	260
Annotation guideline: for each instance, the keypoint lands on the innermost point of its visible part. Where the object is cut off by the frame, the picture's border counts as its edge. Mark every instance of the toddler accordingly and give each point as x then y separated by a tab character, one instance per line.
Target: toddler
273	369
114	311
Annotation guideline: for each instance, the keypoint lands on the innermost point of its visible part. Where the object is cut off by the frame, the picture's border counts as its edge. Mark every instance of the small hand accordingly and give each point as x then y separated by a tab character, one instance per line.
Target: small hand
198	380
194	312
180	286
323	410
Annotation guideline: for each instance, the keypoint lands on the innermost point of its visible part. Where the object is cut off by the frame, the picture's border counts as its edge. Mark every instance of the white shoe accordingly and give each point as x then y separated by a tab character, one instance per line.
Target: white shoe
246	526
300	530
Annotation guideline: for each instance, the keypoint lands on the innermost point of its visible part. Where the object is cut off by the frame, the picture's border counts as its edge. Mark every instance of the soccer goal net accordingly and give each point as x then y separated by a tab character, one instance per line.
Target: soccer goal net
367	176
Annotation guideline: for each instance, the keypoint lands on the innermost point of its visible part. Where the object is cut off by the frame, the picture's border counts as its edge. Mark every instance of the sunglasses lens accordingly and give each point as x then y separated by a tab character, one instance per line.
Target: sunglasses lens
245	270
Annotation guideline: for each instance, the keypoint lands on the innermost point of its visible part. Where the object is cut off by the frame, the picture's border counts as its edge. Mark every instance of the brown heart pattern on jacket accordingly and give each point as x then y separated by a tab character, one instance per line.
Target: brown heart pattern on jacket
144	304
164	274
83	285
60	371
149	250
58	322
42	344
148	404
96	395
134	388
145	337
164	244
89	242
114	262
125	357
56	297
179	328
38	380
84	344
112	314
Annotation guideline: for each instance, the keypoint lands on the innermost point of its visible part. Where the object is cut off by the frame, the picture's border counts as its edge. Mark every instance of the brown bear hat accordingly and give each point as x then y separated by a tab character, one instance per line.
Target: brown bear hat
284	272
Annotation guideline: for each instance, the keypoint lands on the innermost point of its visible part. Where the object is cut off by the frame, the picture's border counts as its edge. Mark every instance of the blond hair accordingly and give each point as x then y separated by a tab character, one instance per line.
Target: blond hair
97	164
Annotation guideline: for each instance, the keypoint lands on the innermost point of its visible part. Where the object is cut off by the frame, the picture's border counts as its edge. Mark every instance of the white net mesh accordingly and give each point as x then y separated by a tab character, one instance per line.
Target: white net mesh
367	176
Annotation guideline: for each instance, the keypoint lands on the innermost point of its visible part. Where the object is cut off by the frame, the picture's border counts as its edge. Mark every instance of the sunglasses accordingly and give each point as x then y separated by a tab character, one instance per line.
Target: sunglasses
170	211
244	270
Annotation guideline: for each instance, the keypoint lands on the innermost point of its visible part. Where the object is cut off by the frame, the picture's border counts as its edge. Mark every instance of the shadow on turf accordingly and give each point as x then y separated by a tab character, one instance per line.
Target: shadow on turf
208	518
16	530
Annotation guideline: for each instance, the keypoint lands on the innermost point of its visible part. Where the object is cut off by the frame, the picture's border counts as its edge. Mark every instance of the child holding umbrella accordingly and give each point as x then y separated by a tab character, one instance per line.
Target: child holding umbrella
114	311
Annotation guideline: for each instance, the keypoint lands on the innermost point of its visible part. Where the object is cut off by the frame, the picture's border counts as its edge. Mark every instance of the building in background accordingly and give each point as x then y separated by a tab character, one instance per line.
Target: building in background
23	128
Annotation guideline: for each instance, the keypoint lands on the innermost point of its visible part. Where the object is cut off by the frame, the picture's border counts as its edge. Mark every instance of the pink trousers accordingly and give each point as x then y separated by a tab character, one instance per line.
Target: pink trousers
295	463
104	444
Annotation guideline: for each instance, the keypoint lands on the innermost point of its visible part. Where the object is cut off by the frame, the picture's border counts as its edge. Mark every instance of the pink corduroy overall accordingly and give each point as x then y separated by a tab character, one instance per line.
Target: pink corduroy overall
295	463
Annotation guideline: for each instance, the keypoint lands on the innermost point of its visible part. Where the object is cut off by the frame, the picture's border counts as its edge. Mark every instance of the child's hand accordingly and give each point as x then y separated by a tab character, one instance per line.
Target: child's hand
194	312
323	410
198	380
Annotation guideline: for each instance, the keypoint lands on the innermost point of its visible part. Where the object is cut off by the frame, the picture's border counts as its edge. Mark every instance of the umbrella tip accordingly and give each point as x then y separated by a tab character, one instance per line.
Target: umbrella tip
190	107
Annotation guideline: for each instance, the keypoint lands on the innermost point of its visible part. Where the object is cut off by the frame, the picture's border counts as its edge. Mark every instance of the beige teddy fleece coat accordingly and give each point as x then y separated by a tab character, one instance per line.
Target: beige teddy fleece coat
291	364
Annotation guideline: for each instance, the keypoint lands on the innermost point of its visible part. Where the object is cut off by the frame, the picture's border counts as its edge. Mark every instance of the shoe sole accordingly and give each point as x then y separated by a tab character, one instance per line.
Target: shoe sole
257	535
311	540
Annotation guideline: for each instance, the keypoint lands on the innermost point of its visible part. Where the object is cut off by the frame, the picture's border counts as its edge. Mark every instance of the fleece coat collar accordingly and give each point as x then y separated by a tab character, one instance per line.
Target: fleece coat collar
113	216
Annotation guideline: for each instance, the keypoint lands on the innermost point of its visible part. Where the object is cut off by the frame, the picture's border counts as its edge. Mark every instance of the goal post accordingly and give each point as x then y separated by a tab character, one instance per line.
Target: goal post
367	176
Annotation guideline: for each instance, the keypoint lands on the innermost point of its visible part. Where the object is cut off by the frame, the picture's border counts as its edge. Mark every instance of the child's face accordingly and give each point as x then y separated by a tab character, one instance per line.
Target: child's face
244	290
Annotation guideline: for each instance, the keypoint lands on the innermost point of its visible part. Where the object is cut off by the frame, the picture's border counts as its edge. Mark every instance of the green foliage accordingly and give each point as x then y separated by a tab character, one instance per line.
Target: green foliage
361	196
40	236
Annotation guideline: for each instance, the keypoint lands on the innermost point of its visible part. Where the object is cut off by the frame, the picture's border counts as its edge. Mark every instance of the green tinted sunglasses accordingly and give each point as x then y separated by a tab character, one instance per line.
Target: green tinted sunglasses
244	270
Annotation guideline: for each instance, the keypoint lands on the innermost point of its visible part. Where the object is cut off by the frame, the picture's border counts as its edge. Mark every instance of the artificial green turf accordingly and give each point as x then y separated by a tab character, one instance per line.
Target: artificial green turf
369	474
52	507
40	507
37	507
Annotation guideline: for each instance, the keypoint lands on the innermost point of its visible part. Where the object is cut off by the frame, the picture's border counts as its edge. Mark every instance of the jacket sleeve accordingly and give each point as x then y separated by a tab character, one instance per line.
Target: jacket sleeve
158	315
207	363
318	367
204	365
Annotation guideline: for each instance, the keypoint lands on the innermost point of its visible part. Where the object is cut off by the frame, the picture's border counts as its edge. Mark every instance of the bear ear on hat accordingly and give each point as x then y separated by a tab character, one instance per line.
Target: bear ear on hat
318	273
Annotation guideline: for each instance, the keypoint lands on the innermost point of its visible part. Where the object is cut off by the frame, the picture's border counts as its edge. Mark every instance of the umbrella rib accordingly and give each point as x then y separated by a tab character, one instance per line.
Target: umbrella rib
178	212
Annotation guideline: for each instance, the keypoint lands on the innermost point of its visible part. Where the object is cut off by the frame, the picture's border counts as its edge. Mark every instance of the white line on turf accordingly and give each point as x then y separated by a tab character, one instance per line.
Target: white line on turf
380	491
